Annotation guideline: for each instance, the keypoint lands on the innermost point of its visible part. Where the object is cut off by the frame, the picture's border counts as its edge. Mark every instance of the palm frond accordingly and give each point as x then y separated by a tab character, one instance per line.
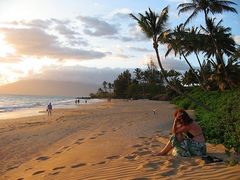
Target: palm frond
194	14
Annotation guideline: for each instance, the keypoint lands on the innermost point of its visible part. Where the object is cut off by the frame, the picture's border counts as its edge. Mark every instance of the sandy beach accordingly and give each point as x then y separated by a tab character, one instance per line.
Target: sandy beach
107	140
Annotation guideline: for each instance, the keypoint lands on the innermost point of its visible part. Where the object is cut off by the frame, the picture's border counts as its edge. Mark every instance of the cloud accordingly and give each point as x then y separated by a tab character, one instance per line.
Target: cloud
36	42
123	56
73	37
36	23
79	74
168	63
63	27
120	14
139	49
96	27
135	32
9	59
237	39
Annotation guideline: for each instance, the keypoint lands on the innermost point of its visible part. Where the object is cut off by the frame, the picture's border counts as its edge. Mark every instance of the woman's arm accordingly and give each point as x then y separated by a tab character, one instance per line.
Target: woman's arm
179	128
175	126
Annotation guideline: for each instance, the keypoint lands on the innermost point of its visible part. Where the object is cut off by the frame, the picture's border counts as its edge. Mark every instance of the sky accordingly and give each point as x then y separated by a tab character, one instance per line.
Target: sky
84	40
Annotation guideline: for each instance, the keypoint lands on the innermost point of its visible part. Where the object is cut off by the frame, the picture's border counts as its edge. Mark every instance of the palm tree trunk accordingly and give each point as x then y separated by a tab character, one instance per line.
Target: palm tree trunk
201	68
200	82
172	87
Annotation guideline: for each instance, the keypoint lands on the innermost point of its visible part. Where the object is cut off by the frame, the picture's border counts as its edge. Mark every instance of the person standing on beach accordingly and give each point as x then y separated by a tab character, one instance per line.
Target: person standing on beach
49	109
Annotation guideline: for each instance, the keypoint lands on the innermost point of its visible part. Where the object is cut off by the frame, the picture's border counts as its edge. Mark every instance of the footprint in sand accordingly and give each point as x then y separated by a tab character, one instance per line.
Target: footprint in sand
38	172
101	134
65	147
13	167
93	137
168	173
150	166
146	143
112	157
102	162
78	165
54	173
141	178
142	153
20	178
137	145
79	141
142	137
155	145
131	157
27	169
57	168
58	152
42	158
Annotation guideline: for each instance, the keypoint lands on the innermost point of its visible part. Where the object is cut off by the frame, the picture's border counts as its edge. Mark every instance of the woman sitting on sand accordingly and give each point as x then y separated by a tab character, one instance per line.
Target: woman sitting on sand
187	139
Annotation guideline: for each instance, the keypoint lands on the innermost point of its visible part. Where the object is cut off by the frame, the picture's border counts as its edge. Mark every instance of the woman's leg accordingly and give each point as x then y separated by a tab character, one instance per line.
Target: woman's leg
166	149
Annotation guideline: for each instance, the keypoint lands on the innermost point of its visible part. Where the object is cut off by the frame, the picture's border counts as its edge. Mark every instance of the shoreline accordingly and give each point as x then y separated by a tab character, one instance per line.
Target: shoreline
38	111
108	140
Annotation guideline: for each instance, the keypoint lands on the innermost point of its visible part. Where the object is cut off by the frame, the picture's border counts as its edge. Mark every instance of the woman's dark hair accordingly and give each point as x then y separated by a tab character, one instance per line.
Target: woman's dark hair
183	115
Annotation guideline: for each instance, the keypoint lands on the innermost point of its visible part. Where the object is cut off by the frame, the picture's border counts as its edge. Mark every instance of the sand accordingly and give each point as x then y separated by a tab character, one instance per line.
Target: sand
108	140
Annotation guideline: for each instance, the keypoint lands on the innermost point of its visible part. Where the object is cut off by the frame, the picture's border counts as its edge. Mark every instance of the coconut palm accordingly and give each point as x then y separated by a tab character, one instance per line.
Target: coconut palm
195	44
225	45
180	42
189	78
155	27
206	6
222	36
138	75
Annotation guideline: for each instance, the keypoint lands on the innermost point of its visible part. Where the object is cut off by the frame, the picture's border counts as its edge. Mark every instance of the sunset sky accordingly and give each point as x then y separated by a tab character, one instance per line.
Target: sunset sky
73	40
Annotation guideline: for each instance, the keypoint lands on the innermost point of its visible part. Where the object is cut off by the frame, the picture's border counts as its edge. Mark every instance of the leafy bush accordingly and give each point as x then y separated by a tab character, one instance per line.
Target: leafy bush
222	125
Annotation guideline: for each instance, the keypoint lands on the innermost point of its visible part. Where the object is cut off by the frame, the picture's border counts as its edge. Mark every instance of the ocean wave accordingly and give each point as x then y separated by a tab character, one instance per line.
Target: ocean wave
9	103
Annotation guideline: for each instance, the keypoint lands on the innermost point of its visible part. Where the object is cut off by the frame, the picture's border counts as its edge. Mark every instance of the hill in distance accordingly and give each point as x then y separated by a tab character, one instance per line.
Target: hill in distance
50	88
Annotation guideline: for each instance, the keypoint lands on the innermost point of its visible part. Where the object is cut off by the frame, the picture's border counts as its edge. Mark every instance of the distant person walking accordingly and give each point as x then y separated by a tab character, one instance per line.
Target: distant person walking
49	109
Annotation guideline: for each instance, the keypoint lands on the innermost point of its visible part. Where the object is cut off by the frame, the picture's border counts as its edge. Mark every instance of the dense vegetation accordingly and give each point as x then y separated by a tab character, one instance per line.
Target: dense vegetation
140	84
212	88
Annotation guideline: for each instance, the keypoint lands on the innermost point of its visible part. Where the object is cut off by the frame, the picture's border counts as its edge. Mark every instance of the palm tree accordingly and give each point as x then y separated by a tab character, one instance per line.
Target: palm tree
138	75
206	6
225	45
222	36
189	78
179	41
155	27
195	44
105	86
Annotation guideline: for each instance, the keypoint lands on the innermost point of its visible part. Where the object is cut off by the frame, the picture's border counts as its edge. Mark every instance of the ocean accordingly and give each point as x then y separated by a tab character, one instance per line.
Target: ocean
14	106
